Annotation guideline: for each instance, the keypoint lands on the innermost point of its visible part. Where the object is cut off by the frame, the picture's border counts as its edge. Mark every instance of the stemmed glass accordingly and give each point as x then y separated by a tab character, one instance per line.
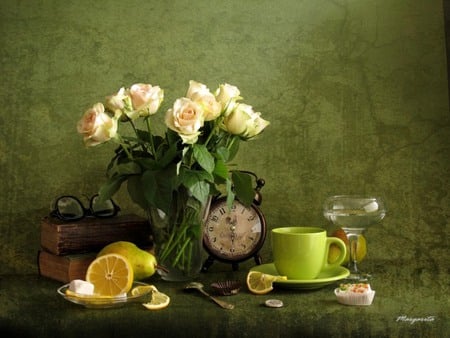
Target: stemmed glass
354	213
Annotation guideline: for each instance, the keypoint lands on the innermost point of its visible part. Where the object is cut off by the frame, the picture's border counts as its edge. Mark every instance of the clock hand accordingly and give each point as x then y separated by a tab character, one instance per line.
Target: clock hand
233	223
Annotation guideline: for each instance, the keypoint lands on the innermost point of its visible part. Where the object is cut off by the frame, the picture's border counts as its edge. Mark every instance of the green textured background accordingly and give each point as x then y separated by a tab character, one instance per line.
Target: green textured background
356	91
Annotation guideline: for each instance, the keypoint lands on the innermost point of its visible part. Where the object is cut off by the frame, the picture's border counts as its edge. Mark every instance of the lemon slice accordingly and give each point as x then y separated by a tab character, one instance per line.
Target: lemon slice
111	274
159	301
143	289
261	283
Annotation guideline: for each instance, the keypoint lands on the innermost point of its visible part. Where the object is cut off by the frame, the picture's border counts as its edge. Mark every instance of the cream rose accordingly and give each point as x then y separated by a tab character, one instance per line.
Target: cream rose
244	121
196	87
227	95
146	98
186	118
118	102
96	126
255	126
200	94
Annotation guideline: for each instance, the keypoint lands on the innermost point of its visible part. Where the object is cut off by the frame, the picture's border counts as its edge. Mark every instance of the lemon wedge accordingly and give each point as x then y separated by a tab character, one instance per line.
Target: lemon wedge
159	300
143	289
261	283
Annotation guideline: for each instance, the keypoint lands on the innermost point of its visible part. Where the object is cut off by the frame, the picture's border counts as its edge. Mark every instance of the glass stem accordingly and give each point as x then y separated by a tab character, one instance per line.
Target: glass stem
353	244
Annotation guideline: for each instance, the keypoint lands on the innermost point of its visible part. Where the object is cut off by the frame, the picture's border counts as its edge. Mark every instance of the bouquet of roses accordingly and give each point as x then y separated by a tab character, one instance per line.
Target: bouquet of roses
202	137
191	159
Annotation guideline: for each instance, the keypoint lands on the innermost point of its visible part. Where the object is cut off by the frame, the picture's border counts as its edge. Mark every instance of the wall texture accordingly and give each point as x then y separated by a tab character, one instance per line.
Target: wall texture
356	91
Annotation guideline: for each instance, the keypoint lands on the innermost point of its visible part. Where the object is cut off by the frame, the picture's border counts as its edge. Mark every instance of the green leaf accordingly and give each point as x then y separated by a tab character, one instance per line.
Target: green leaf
172	137
158	141
233	148
167	155
149	184
242	184
143	135
221	169
125	168
189	177
230	193
134	186
200	190
110	187
132	139
148	163
223	153
158	187
204	157
197	182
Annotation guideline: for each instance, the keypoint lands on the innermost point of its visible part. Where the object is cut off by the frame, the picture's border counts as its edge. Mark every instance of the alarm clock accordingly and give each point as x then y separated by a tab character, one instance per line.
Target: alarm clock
233	235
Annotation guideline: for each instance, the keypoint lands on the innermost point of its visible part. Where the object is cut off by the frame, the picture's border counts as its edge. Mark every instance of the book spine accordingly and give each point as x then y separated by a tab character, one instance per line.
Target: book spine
63	268
92	235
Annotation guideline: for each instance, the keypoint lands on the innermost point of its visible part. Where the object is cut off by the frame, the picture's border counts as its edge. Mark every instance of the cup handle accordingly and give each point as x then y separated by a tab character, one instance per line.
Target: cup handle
340	243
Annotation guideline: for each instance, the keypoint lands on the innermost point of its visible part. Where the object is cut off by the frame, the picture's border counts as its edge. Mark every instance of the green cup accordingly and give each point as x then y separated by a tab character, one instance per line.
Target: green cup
301	253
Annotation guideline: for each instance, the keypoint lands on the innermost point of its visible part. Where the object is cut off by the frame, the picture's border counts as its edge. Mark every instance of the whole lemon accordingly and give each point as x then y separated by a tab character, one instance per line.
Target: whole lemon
334	252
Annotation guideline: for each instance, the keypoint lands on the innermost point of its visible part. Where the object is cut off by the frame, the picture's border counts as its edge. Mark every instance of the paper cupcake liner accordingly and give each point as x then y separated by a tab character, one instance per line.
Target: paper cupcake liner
351	298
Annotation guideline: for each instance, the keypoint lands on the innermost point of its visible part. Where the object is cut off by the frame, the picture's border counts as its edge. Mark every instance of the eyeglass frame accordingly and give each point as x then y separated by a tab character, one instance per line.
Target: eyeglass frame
87	212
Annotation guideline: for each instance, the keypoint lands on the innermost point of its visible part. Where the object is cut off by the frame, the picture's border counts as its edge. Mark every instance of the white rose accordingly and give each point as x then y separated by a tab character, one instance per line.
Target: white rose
146	98
96	126
244	121
116	103
201	94
186	118
196	87
227	95
255	126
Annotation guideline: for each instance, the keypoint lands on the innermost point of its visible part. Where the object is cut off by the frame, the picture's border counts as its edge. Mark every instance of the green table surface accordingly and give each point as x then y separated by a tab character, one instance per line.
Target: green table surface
410	301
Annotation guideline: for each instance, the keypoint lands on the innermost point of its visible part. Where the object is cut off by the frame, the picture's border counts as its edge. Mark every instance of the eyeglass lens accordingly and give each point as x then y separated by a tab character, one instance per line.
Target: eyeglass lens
69	208
102	208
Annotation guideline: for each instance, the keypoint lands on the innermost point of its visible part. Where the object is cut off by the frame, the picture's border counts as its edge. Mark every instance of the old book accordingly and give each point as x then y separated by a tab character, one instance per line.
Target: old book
92	234
64	268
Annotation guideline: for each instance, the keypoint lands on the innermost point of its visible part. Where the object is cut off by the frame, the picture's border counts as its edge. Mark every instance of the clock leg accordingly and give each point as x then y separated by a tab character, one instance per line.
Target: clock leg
258	259
209	261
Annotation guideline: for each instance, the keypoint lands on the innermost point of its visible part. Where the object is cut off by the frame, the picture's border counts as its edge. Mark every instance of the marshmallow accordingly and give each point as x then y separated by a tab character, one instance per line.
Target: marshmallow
81	287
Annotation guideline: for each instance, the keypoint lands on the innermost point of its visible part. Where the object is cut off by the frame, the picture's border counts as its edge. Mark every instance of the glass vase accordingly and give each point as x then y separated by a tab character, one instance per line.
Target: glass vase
178	238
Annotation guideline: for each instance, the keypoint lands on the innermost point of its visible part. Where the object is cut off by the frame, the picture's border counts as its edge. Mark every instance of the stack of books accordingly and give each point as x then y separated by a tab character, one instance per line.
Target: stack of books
67	248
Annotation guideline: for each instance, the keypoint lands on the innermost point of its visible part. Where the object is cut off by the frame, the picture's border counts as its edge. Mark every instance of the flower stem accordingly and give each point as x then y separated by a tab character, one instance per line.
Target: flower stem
182	229
124	147
152	145
136	132
181	252
231	139
174	240
214	129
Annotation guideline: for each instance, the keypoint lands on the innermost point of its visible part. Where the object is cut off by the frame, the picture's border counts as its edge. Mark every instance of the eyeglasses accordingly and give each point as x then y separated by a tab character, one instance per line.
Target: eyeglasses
70	208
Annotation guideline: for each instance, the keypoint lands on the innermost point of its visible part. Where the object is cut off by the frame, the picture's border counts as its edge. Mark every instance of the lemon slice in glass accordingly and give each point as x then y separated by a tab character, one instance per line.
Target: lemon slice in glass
261	283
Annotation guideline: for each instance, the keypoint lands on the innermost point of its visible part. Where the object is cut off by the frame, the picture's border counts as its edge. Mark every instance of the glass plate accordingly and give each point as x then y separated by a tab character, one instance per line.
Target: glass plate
103	303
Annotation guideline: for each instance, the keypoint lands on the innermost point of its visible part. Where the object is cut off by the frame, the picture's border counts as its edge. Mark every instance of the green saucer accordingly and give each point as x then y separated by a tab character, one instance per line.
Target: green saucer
324	278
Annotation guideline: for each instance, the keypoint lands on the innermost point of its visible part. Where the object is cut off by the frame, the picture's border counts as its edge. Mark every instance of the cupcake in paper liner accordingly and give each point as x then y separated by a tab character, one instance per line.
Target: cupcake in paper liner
355	294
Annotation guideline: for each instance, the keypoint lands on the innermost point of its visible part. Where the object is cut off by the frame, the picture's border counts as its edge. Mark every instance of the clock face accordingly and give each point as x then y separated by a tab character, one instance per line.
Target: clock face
233	234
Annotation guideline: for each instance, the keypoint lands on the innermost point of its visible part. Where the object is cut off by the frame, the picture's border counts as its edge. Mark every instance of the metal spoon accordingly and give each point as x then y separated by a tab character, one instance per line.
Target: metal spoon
199	287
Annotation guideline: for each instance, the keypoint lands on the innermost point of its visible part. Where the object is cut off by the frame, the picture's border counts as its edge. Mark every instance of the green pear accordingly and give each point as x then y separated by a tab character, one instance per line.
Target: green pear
143	262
